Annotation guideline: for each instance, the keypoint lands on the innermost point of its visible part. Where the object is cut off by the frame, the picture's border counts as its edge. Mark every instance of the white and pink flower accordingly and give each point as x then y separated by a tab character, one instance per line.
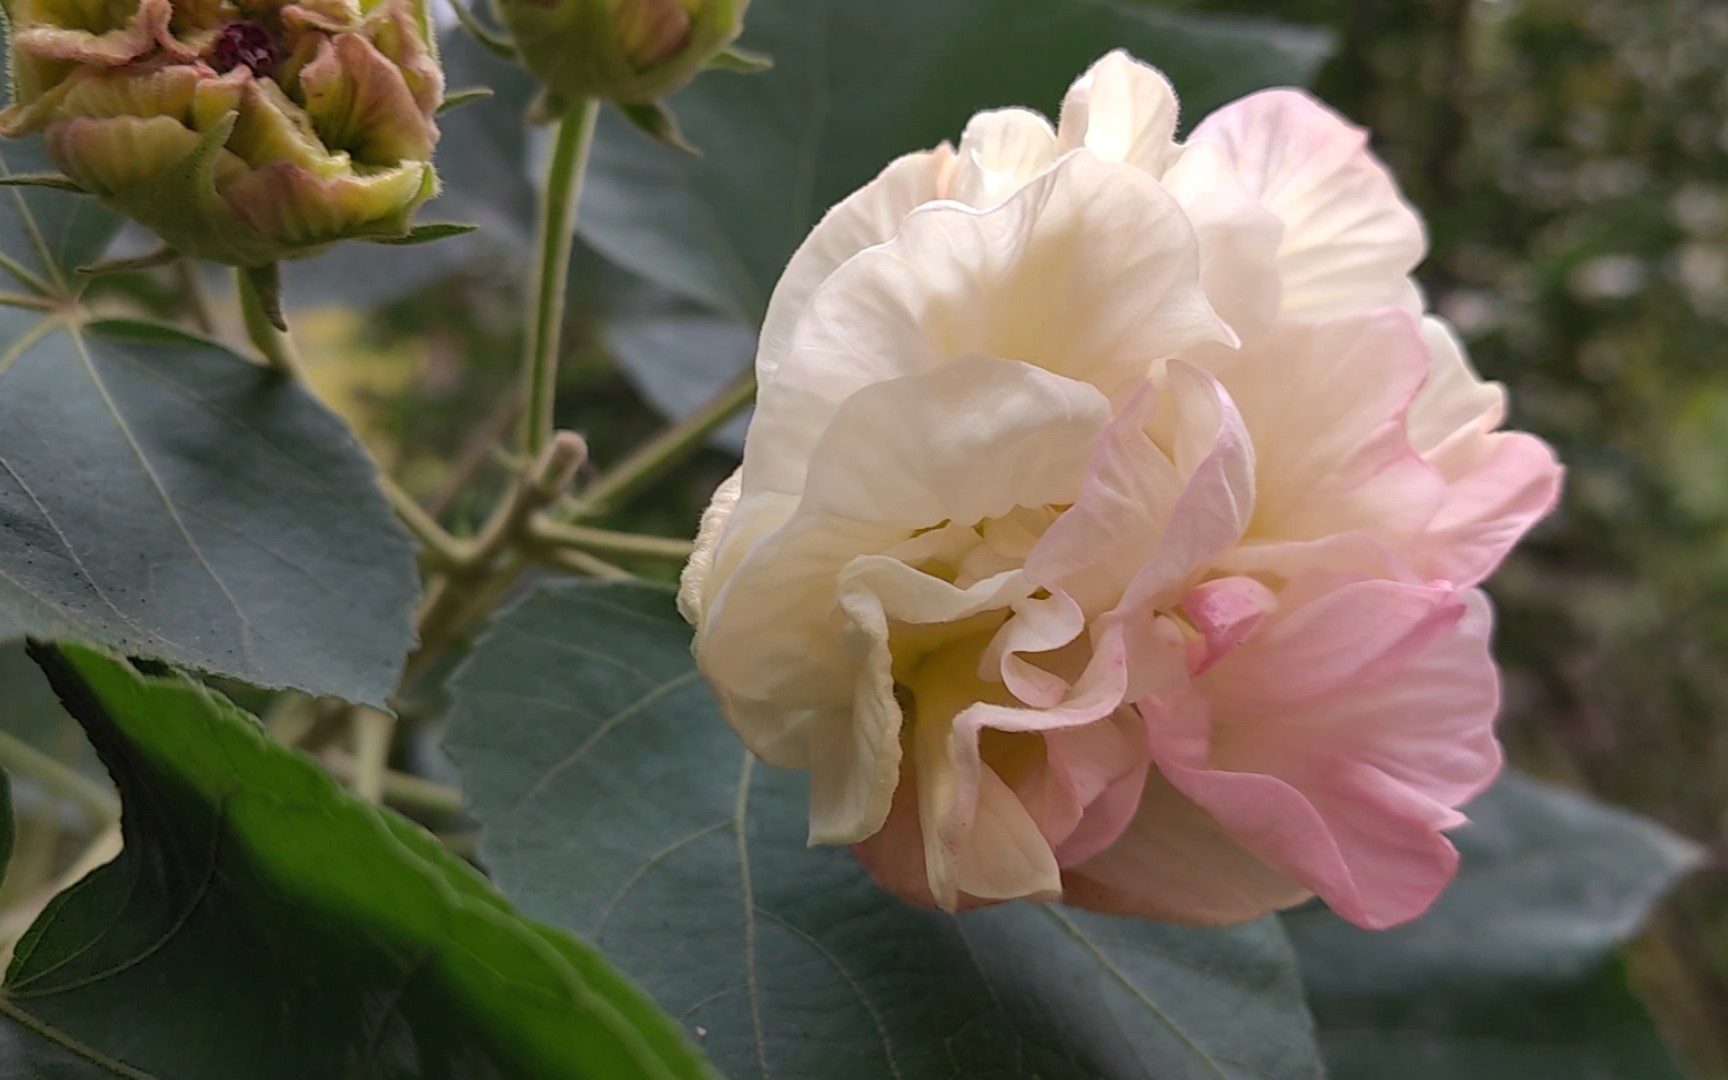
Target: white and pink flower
1112	518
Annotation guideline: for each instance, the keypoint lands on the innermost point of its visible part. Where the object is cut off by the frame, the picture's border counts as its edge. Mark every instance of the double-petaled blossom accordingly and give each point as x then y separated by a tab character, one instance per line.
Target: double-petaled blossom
1112	517
634	52
243	133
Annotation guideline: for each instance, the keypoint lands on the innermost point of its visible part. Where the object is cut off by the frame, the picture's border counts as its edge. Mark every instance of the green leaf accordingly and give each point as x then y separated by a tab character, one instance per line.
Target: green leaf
45	234
1514	973
165	497
617	803
855	86
262	923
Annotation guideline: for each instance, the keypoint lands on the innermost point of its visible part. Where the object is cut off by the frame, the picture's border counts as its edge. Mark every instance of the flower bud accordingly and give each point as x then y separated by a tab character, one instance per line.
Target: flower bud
242	134
633	52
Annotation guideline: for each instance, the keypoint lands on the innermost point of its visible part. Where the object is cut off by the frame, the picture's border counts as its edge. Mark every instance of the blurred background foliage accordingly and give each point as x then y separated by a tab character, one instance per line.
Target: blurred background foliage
1571	157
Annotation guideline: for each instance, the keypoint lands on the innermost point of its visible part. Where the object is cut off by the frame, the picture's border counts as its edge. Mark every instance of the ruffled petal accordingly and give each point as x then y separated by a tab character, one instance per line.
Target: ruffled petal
1325	403
1350	240
1090	271
1334	743
1122	110
869	216
1175	863
999	152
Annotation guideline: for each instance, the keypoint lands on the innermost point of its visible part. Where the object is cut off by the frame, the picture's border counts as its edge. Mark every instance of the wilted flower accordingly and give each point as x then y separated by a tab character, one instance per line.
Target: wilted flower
634	52
1110	521
242	133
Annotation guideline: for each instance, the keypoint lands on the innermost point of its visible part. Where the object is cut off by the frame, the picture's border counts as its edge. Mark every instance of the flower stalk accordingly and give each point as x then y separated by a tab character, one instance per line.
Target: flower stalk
558	201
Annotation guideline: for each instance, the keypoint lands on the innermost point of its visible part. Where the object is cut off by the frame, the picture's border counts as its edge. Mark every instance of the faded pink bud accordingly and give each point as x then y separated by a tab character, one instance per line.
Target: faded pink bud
242	137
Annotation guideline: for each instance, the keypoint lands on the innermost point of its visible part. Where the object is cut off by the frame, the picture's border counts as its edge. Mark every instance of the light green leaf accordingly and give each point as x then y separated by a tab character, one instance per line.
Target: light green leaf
1514	973
617	803
165	497
262	923
855	86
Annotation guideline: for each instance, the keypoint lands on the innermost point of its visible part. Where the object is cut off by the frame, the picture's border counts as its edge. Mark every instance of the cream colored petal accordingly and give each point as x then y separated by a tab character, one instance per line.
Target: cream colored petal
999	152
693	582
1122	110
898	458
1090	271
1455	401
869	216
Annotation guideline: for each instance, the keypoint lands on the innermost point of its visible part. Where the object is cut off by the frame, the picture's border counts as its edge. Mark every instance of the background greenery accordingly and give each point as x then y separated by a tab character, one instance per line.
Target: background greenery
1569	156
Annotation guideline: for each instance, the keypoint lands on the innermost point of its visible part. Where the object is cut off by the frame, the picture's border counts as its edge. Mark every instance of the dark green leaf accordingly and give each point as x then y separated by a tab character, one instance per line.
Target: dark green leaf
262	923
616	802
1514	972
855	86
165	497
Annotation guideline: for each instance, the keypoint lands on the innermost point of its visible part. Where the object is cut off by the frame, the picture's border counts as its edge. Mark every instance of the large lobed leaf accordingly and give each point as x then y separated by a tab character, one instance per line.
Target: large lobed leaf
163	496
617	803
855	85
1514	973
262	923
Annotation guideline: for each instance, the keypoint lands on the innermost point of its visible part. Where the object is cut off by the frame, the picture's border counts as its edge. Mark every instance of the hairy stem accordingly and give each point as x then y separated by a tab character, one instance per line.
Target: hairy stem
606	542
273	343
56	778
667	449
558	199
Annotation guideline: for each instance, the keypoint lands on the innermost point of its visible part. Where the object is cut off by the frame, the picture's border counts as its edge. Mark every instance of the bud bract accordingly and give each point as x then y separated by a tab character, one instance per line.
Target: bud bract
243	133
632	52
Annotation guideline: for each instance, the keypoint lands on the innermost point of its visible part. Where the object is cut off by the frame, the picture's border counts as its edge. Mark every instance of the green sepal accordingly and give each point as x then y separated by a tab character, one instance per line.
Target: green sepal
162	256
740	61
657	122
493	41
455	99
181	206
267	280
425	234
53	181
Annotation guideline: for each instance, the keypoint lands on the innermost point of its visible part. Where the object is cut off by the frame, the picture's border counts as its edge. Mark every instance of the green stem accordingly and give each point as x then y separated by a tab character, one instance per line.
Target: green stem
607	542
667	449
557	232
57	778
372	731
414	794
273	344
441	550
